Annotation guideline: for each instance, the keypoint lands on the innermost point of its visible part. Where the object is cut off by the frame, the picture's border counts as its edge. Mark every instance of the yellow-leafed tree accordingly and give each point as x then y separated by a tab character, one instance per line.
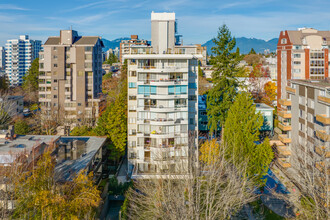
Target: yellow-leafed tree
209	152
39	196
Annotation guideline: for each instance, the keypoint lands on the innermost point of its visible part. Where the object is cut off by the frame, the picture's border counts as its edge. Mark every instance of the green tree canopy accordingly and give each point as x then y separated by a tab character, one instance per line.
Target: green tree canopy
111	59
225	69
21	127
30	80
242	134
252	51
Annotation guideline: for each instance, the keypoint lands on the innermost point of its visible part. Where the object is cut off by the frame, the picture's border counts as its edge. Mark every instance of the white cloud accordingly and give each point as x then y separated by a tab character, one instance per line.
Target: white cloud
11	7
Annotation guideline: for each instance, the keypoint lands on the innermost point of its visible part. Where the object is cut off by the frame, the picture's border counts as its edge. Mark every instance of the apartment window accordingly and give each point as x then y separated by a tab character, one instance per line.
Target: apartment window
55	65
301	126
55	48
80	73
296	70
55	88
132	73
131	97
41	65
312	103
88	65
79	104
89	49
68	73
55	96
300	113
297	55
147	90
284	41
178	90
55	80
322	93
132	85
55	104
131	120
203	113
89	73
55	56
55	73
301	100
296	62
88	56
192	86
192	98
67	97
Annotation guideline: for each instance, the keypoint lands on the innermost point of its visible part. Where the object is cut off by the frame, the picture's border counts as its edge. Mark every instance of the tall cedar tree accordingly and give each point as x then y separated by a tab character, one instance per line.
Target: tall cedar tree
242	134
225	69
30	80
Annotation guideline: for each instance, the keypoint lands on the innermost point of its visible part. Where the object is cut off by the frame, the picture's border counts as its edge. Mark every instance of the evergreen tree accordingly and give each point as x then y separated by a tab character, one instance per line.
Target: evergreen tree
21	127
3	83
252	51
111	59
30	80
225	69
242	134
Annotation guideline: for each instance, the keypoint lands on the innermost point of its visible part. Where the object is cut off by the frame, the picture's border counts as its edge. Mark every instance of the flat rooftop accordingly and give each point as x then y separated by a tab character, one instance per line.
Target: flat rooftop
325	83
263	106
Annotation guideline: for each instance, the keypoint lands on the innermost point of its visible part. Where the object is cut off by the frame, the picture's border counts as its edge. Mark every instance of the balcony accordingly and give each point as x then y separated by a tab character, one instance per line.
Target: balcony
283	151
324	99
323	119
284	114
322	135
284	163
321	151
284	126
289	89
284	102
321	167
284	138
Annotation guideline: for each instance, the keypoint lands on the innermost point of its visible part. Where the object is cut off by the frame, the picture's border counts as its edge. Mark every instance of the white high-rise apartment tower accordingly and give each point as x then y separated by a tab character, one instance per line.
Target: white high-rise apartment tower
20	53
162	101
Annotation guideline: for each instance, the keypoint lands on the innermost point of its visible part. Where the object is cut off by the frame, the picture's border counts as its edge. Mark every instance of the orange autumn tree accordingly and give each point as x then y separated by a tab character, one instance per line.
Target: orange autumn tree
39	196
270	92
209	151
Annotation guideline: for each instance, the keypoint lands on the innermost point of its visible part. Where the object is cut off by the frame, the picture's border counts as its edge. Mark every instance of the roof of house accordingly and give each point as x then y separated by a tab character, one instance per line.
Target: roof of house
84	40
296	37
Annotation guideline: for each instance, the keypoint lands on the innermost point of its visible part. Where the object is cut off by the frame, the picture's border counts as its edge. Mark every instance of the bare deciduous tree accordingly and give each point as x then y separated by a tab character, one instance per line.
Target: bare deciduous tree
7	107
216	190
310	174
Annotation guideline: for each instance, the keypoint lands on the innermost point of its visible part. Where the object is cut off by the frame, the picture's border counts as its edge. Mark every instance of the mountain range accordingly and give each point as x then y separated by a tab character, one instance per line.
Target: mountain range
244	44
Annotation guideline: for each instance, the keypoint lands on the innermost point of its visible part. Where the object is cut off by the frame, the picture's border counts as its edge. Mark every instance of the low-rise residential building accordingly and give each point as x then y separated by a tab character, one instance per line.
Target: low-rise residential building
207	70
202	50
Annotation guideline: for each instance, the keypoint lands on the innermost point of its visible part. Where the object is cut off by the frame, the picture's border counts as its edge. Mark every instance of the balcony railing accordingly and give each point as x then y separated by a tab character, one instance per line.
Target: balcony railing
283	151
322	135
285	114
324	99
289	89
323	119
284	163
284	102
284	138
322	167
322	151
284	126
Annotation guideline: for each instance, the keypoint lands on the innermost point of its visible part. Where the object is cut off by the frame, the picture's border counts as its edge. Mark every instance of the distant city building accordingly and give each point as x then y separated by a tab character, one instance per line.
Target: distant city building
162	101
301	54
70	77
207	70
202	50
126	44
20	53
271	65
2	58
303	128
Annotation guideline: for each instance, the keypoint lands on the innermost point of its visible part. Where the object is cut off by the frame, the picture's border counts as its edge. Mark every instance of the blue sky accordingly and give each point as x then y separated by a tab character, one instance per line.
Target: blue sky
198	20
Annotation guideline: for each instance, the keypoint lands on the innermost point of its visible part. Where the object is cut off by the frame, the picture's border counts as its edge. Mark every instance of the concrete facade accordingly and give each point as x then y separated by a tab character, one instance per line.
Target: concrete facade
126	44
20	53
71	75
162	102
301	54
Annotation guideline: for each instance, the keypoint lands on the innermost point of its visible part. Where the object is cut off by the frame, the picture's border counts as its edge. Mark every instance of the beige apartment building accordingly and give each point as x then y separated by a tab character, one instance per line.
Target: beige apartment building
71	75
304	131
126	44
162	101
301	54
